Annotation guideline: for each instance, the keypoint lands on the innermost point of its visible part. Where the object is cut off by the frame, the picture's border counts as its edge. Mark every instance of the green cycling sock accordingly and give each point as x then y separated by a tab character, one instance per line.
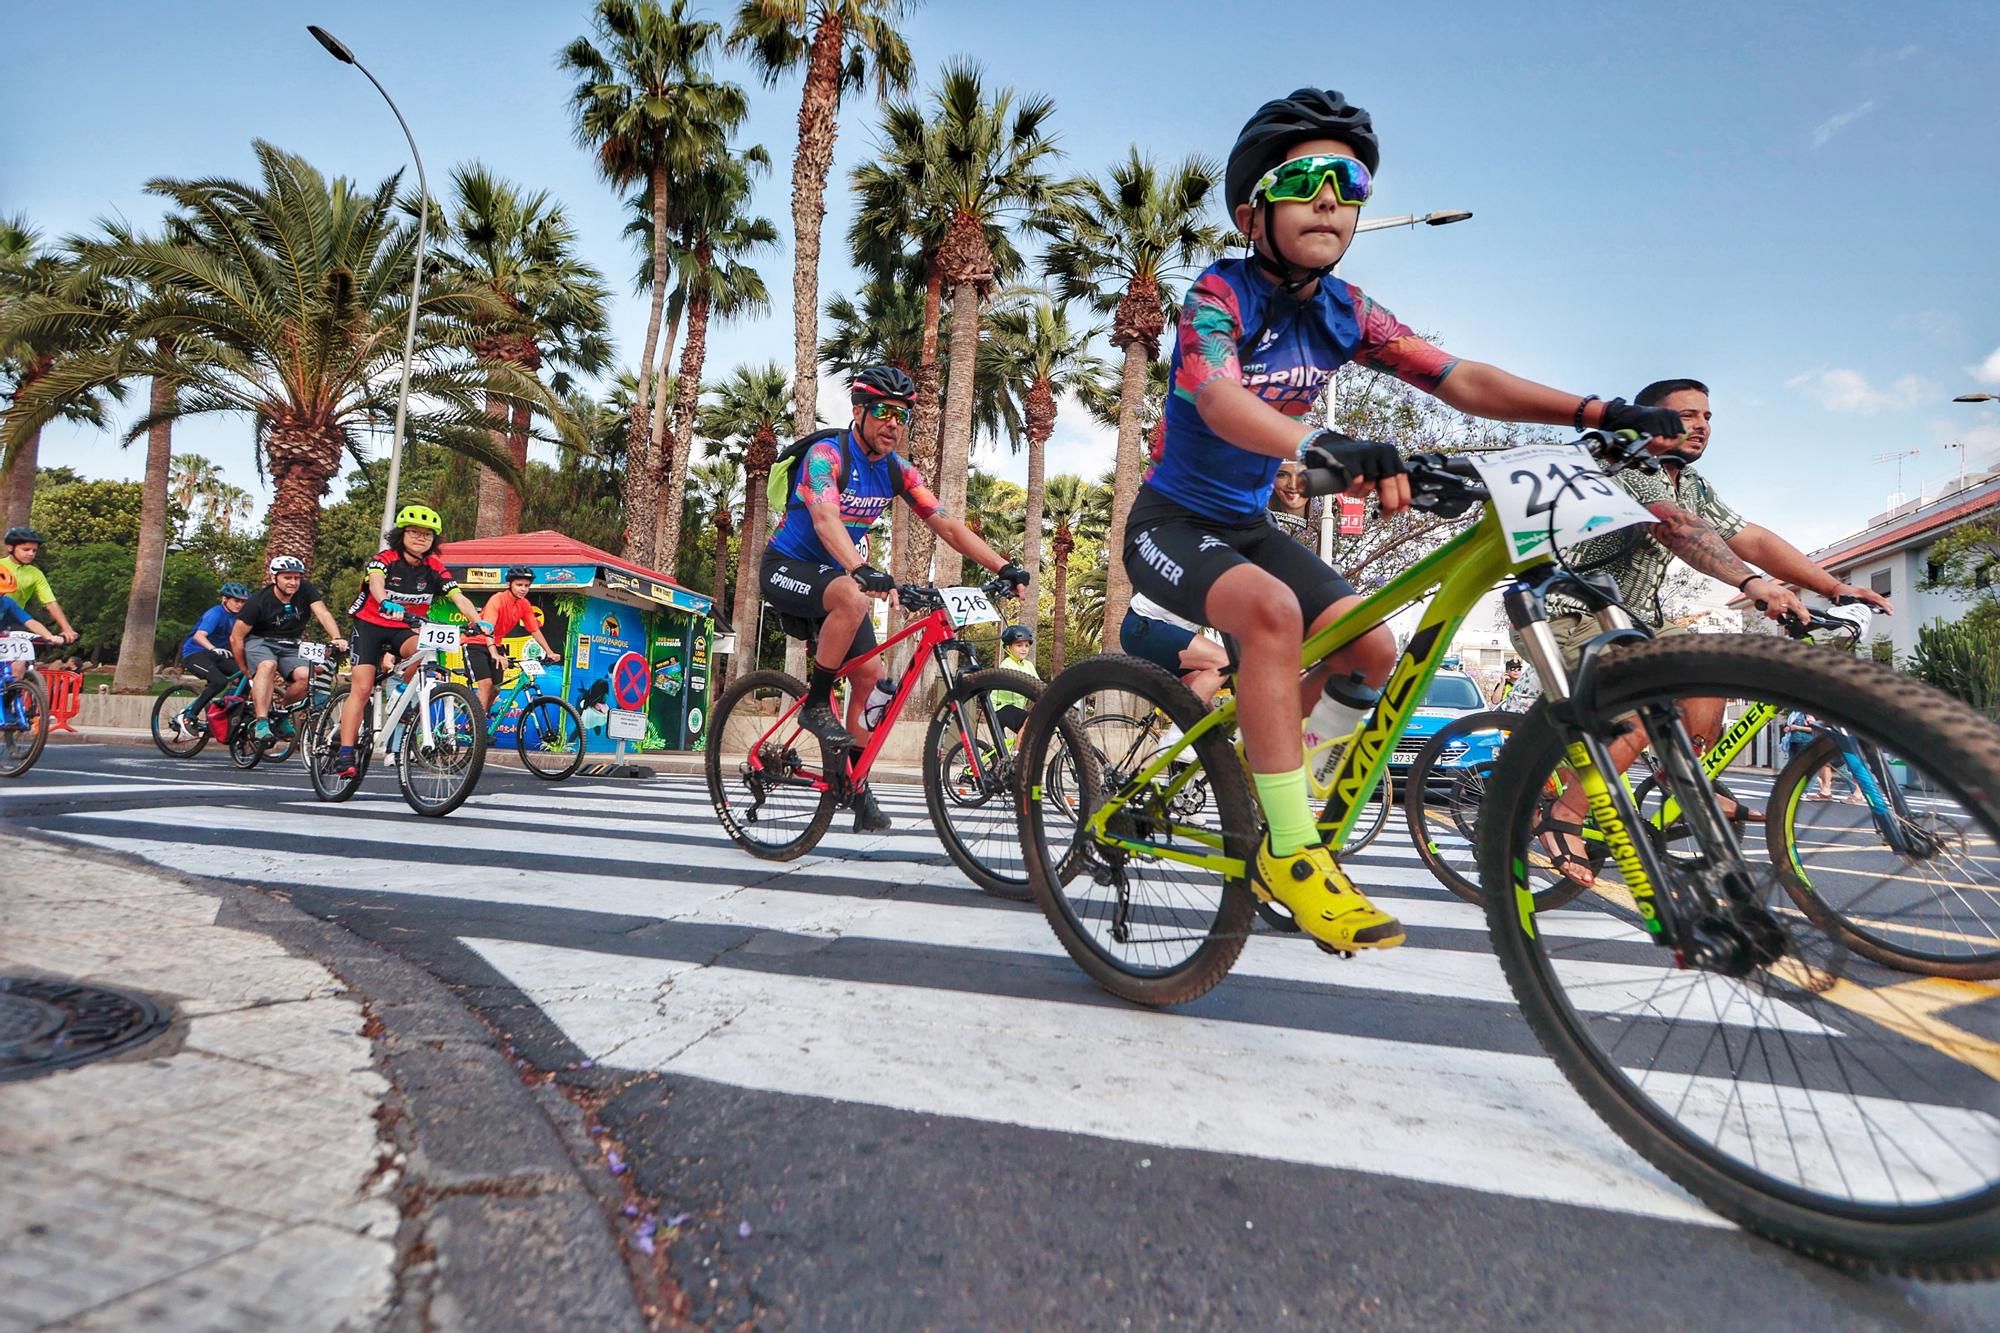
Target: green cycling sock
1287	809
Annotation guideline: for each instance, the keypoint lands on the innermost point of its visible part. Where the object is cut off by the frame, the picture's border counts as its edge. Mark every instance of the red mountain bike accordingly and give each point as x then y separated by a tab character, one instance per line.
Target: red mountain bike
767	779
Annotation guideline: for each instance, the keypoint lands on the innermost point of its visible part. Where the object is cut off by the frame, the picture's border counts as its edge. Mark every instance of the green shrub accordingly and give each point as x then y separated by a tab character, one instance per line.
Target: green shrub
1961	658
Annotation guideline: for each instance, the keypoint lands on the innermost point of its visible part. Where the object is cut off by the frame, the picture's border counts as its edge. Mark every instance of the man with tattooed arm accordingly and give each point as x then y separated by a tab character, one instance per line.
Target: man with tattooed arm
1707	535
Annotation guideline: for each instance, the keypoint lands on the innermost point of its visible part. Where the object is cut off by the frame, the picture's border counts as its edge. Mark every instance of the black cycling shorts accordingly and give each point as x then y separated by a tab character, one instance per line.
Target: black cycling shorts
797	588
479	663
1175	555
214	665
369	643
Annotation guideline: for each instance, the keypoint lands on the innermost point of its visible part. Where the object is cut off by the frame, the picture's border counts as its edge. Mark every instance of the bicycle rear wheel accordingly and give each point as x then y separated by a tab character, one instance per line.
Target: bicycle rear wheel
762	775
438	765
1817	1099
549	738
1840	861
324	740
24	723
244	751
972	777
1146	926
171	703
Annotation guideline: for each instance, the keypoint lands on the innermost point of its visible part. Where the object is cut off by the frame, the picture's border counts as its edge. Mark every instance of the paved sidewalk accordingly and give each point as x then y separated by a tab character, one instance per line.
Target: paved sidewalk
228	1174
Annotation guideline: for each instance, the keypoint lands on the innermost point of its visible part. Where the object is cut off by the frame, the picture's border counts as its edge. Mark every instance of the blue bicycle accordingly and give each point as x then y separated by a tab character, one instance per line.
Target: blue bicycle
548	730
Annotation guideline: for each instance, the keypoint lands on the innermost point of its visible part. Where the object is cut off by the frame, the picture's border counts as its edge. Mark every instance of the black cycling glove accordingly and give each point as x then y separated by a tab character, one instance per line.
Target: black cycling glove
872	579
1013	573
1621	415
1354	460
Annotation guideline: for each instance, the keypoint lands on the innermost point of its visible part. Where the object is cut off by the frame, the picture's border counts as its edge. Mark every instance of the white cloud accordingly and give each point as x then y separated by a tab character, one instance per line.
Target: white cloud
1988	371
1871	58
1849	391
1833	125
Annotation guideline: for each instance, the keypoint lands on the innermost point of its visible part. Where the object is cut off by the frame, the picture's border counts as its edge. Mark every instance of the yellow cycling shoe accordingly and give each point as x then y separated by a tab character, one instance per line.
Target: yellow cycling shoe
1323	901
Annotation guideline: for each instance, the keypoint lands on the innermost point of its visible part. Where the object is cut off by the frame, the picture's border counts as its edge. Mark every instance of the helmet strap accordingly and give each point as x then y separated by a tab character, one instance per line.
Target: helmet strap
1290	278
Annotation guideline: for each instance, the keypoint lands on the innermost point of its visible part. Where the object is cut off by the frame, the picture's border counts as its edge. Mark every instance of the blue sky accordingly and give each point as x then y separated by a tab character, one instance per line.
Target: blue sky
1795	202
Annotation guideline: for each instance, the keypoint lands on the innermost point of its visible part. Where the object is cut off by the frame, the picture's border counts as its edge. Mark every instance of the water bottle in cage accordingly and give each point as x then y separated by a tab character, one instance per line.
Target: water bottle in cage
878	702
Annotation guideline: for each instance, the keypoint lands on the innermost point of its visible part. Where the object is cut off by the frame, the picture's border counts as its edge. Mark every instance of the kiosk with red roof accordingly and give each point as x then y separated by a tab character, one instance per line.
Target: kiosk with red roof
636	645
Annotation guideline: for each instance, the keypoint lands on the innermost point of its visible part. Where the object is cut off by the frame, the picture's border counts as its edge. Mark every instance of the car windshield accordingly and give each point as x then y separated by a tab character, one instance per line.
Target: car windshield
1453	692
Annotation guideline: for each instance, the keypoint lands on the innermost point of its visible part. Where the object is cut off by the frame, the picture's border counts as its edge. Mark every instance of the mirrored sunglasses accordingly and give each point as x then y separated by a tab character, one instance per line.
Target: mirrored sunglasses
1301	179
889	412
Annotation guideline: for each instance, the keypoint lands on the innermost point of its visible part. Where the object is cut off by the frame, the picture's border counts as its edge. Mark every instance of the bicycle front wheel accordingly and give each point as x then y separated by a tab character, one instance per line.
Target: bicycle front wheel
1162	920
764	774
1806	1093
973	779
24	723
1881	867
244	751
439	764
1444	792
178	742
323	741
549	738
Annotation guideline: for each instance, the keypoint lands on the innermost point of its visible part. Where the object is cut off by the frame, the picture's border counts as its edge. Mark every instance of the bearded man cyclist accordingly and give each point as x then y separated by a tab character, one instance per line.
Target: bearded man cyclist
1257	341
816	567
398	582
1708	536
265	639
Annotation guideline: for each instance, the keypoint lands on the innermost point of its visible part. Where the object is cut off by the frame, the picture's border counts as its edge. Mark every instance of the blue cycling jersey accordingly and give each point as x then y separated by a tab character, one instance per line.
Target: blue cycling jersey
216	623
1296	352
839	471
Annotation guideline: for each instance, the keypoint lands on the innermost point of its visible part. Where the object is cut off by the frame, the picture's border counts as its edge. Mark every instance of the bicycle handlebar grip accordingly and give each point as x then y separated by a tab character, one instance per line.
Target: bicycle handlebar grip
1317	481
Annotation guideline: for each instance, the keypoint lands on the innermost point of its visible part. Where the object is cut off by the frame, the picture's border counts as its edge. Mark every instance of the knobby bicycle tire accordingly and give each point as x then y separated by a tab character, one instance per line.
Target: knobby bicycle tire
325	741
22	746
1954	1238
471	731
1781	837
1057	854
733	807
1456	814
571	725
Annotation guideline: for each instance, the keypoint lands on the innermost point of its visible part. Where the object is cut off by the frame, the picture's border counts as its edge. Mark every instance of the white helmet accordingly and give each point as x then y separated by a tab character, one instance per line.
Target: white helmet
287	564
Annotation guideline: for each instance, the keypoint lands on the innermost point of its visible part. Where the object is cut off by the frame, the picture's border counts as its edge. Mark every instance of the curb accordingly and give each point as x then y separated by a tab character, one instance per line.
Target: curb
502	1229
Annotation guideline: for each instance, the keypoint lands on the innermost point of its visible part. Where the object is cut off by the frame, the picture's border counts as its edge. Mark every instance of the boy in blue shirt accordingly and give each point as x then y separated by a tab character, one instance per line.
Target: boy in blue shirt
1258	339
205	652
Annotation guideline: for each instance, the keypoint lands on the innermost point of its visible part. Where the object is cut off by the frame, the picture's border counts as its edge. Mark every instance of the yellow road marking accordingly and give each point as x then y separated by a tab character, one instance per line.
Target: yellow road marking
1902	879
1929	932
1910	1008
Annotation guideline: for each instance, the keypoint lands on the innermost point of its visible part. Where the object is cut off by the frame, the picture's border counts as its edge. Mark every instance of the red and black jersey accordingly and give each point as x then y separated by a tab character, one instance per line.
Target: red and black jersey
410	584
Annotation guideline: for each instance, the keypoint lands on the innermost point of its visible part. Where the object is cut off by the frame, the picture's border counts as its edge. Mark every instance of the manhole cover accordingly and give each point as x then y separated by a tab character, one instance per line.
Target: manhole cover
50	1025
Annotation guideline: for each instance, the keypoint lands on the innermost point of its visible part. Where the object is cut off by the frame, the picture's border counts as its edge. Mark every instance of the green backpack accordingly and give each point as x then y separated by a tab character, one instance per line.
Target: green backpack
779	494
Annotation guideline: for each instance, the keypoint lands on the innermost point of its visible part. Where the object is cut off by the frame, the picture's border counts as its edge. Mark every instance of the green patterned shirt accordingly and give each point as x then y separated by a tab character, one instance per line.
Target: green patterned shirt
1632	556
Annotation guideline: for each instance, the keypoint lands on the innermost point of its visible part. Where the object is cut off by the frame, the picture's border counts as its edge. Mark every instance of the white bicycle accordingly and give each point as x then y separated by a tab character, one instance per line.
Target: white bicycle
434	727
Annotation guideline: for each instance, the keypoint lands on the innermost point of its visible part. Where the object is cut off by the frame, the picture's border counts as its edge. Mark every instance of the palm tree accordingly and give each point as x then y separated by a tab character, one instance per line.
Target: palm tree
192	480
28	269
646	105
723	235
717	491
837	41
990	166
993	509
1037	358
522	248
1122	243
1075	508
905	213
751	411
285	302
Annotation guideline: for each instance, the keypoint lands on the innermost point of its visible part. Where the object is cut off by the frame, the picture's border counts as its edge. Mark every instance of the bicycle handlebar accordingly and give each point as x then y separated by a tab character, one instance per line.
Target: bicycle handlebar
1449	484
923	597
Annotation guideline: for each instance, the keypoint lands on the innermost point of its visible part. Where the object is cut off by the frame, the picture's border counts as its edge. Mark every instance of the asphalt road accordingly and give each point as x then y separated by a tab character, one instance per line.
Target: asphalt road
884	1099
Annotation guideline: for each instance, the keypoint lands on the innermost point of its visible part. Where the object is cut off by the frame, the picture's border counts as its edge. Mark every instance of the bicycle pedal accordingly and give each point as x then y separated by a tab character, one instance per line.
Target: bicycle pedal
1324	947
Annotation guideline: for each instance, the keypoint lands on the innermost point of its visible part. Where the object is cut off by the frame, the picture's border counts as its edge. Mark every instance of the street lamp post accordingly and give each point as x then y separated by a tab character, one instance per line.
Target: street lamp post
338	50
1440	218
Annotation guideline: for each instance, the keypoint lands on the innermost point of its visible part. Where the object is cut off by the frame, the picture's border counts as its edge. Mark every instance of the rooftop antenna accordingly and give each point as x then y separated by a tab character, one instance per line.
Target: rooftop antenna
1897	459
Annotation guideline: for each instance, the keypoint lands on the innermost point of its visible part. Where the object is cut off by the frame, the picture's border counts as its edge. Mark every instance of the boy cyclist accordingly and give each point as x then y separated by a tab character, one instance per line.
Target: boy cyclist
206	654
508	612
1258	339
31	586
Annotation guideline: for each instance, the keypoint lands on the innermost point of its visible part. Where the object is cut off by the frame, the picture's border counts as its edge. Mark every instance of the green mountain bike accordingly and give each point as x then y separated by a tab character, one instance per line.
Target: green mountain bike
1794	1085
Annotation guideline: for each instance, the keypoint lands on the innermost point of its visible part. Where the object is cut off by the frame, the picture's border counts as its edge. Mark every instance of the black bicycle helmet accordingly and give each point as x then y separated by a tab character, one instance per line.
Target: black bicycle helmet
1014	634
518	572
15	536
1309	113
882	384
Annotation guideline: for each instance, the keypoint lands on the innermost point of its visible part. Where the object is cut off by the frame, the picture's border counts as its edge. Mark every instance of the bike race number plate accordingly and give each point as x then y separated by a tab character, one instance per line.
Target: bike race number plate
314	653
970	606
17	648
444	638
1539	482
531	667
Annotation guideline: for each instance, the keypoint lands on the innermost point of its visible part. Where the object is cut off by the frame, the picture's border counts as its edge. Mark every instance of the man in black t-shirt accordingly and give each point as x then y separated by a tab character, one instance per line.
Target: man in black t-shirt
266	638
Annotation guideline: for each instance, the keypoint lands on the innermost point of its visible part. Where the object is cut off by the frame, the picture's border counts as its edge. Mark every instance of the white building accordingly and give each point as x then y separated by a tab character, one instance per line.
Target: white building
1892	555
